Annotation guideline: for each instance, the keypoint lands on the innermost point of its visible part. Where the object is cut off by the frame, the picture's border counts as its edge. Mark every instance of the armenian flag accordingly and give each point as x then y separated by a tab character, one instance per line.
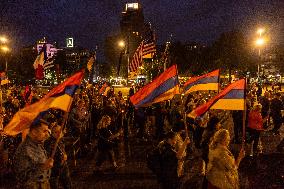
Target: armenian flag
164	87
59	97
209	81
104	89
231	98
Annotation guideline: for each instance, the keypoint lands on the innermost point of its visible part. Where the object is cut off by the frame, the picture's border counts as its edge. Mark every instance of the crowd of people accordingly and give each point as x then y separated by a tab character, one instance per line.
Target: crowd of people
104	124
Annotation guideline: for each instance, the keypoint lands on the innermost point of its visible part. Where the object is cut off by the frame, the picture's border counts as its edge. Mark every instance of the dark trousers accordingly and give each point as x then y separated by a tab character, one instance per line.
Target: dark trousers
63	178
254	136
103	155
170	184
237	130
197	136
277	121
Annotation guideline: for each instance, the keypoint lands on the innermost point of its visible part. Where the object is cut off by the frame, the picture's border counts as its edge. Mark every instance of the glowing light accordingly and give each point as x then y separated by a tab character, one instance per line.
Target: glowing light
260	42
260	31
3	39
5	49
121	44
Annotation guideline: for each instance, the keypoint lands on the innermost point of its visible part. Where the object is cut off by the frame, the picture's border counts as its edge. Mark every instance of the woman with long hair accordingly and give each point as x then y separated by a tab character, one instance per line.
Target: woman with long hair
222	168
105	144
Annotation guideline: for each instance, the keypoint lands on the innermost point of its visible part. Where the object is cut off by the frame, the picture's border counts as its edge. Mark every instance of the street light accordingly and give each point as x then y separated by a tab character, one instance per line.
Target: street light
121	44
5	49
3	39
260	42
260	31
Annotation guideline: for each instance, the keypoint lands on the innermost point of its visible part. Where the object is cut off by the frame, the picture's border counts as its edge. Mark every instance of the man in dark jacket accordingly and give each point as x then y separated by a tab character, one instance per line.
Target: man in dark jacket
276	107
264	101
169	161
31	163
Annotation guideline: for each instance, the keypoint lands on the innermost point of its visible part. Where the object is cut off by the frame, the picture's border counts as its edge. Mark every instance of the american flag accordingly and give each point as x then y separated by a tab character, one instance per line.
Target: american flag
49	63
146	49
149	47
137	59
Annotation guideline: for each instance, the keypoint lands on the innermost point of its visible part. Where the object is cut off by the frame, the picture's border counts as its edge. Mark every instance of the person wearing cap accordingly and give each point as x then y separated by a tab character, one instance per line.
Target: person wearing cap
31	163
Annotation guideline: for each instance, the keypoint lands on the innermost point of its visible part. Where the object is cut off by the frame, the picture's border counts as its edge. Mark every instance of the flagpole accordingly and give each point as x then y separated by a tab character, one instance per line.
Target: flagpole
66	115
244	115
184	115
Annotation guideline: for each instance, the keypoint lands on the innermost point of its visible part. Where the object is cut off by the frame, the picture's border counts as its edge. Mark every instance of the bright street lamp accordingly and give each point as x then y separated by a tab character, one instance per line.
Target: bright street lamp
121	44
260	42
3	39
5	49
260	31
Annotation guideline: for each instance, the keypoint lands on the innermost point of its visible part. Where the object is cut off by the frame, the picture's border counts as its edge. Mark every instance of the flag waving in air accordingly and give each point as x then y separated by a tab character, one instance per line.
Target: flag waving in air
149	46
204	82
164	87
59	97
231	98
104	89
137	59
90	63
38	65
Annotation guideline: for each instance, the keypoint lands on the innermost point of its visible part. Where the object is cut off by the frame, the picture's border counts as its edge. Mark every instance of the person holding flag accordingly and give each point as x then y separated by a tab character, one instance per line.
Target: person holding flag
31	164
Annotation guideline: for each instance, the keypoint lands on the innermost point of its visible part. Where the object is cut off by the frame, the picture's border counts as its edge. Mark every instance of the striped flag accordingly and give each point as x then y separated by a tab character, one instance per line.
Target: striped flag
49	63
149	46
149	49
90	63
146	49
162	88
59	97
206	82
104	89
137	59
38	66
231	98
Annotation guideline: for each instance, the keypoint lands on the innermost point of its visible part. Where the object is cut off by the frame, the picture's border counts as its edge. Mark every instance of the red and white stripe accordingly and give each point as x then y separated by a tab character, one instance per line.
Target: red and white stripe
137	59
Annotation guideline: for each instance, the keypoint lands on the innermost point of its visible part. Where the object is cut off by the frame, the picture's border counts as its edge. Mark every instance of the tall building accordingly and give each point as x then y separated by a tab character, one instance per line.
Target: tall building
132	19
132	27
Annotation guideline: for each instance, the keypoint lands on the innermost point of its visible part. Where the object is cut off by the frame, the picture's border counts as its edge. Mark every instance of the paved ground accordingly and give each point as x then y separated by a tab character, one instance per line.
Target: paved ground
265	173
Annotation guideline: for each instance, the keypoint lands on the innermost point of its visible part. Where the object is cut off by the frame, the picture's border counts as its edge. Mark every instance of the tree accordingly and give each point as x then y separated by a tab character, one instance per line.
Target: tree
230	52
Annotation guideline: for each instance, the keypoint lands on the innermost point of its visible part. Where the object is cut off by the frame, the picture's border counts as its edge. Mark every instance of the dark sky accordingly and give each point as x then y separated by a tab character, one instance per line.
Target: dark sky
90	21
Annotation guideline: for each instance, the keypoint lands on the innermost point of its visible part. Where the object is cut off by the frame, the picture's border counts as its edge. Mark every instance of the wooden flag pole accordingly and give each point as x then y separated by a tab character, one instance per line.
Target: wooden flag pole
66	115
244	115
184	114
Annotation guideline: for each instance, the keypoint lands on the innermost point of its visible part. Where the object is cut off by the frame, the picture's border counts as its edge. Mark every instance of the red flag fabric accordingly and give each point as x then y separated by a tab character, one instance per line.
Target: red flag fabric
59	97
231	98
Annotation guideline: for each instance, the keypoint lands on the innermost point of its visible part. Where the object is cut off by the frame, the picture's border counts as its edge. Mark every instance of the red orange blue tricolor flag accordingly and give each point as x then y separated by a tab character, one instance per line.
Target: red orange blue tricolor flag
59	97
104	89
164	87
231	98
204	82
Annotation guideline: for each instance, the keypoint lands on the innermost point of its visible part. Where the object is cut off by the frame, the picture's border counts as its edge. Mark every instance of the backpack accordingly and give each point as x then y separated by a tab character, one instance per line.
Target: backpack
154	160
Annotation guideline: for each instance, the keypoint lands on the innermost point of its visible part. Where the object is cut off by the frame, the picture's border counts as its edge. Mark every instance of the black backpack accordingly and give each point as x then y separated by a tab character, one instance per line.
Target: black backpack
154	160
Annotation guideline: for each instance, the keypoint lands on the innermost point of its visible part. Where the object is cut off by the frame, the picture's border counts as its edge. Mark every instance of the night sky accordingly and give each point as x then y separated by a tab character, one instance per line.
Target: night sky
90	21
